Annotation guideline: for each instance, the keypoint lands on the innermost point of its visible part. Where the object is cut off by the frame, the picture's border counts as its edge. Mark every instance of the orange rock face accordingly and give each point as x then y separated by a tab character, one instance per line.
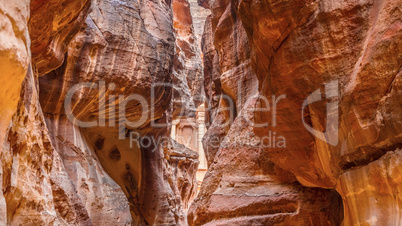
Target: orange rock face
58	172
353	46
50	33
14	57
29	165
243	185
129	60
303	102
351	50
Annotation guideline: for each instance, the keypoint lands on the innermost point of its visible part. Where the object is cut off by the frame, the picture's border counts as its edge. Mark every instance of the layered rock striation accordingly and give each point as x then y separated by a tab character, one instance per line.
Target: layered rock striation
350	48
303	105
74	153
188	67
243	185
328	86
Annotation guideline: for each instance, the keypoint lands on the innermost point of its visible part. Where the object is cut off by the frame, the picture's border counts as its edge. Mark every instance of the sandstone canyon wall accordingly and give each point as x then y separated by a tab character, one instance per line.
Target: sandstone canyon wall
348	50
57	172
90	89
353	49
243	185
187	70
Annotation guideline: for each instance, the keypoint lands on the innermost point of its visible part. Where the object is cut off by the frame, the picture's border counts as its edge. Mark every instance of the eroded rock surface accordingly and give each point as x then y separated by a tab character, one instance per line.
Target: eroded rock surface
199	15
187	71
121	55
351	50
27	155
243	185
52	26
132	63
182	168
14	57
55	171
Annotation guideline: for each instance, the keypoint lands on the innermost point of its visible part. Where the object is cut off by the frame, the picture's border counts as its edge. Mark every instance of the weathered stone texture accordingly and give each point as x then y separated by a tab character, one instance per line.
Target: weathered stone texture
57	172
296	48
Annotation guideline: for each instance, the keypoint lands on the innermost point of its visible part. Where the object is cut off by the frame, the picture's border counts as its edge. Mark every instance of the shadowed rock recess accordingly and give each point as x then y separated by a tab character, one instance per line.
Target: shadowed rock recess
303	109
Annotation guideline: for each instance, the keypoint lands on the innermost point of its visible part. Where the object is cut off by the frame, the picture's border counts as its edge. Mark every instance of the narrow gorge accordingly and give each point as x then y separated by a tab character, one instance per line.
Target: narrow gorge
201	112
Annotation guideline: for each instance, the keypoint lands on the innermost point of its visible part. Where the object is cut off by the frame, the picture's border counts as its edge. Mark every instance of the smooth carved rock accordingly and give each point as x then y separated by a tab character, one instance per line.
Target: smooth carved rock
229	79
14	57
212	83
298	47
372	191
132	58
243	185
53	171
129	59
52	25
37	187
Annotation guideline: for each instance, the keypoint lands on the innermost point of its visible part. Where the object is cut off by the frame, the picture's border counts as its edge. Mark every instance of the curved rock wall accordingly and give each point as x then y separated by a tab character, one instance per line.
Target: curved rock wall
14	57
350	51
187	71
28	160
243	185
132	59
133	64
55	171
50	33
352	46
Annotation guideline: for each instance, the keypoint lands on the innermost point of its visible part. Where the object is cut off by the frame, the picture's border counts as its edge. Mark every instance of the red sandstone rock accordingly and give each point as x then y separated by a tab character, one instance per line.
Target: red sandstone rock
54	172
229	79
14	57
27	155
132	57
58	173
187	70
182	168
296	47
243	186
52	26
48	180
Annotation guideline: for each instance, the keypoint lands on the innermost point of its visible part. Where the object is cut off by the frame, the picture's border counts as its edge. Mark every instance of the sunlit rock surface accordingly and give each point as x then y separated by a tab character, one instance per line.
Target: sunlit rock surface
14	57
134	58
243	185
350	51
352	48
57	172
